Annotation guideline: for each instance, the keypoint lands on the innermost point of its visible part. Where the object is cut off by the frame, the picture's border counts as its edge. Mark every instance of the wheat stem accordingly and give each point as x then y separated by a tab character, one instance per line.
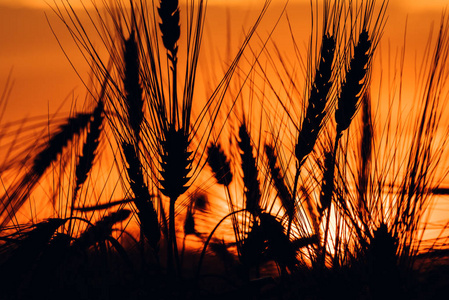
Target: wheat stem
288	203
142	198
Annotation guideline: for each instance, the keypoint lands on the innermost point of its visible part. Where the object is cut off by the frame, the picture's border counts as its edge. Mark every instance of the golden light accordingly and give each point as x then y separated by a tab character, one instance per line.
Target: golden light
52	78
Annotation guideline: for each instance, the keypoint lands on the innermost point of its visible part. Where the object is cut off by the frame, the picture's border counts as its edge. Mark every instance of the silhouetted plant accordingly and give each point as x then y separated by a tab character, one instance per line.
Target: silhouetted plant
315	205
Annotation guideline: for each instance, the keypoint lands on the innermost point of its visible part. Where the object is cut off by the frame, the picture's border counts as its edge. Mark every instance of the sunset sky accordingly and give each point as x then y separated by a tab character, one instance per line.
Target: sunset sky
405	3
43	77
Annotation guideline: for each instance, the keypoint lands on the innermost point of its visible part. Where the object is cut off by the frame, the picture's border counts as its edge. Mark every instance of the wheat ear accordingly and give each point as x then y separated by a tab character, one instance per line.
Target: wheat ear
250	172
327	185
85	161
313	120
16	196
101	230
169	26
219	163
175	168
133	89
221	169
170	30
312	211
348	102
319	93
56	144
90	146
176	163
355	82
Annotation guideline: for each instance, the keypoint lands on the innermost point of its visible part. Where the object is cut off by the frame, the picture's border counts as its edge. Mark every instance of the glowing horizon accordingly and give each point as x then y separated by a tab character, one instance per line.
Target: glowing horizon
406	4
44	76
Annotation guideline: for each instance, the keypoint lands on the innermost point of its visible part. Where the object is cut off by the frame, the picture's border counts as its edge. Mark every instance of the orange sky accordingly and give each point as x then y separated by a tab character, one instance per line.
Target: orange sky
406	3
43	77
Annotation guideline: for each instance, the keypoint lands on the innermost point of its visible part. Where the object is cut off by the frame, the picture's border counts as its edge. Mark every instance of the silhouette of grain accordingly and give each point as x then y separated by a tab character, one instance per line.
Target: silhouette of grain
355	82
58	141
90	146
142	198
169	26
18	193
284	194
250	172
327	187
219	164
133	89
101	230
175	164
313	120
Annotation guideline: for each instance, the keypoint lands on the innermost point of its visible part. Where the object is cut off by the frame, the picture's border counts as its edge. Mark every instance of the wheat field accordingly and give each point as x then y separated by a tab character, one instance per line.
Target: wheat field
274	162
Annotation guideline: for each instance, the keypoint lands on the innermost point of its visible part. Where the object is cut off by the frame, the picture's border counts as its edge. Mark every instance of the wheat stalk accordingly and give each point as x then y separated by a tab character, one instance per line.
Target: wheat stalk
221	169
142	198
103	206
175	167
174	155
353	86
284	194
326	195
315	113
